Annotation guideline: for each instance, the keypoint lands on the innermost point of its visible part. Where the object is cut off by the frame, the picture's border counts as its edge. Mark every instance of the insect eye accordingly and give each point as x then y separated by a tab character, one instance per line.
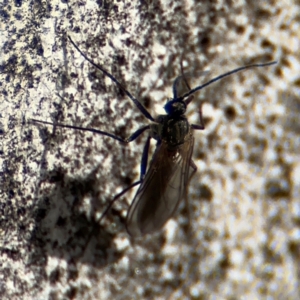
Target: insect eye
175	107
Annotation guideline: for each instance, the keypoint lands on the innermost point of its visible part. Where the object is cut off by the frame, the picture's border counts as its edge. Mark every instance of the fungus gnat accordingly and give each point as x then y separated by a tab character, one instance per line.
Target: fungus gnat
165	182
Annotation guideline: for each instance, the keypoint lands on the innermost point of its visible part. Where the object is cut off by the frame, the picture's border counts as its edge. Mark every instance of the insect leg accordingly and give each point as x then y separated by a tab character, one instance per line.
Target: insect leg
81	128
128	140
145	159
94	231
194	169
116	197
200	126
132	137
143	171
137	133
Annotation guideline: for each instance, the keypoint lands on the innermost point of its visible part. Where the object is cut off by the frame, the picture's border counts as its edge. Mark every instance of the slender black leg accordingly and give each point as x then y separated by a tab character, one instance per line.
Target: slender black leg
193	165
200	126
142	175
116	197
144	160
137	133
132	137
194	169
95	229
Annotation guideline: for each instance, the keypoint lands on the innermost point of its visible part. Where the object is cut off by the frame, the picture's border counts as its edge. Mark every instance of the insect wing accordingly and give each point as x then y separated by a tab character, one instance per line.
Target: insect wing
161	190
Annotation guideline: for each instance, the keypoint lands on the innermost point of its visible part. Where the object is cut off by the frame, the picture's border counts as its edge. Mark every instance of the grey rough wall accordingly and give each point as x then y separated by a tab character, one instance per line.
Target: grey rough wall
244	200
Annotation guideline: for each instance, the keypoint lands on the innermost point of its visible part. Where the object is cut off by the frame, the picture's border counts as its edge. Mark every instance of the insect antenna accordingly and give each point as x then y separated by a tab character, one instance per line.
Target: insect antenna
138	104
198	88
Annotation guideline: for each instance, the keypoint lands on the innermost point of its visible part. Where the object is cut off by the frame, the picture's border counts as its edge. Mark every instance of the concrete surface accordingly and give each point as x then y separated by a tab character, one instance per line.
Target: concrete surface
244	233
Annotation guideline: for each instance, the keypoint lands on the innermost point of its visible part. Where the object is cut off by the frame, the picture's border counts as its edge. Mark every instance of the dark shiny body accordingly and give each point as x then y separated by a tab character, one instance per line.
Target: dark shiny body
167	178
163	184
171	131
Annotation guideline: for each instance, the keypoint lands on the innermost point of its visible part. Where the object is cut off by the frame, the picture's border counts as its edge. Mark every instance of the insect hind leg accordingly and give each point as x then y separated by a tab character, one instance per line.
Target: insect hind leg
193	168
94	231
116	197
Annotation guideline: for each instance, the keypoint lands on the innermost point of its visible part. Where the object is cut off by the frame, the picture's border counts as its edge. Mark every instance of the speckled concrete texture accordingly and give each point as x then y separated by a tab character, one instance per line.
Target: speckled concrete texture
242	237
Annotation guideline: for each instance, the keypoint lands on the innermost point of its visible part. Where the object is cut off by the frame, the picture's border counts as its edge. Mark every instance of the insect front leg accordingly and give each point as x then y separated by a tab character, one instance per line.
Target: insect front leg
200	126
144	160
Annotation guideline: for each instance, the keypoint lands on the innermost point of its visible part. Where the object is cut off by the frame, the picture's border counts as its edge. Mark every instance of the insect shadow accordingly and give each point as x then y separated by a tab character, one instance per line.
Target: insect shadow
164	183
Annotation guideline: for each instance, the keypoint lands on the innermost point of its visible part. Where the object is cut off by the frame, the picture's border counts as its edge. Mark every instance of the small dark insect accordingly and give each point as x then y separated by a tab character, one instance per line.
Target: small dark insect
165	182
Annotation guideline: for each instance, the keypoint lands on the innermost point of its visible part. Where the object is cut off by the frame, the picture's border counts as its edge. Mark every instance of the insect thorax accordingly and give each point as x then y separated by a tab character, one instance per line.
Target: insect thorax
171	130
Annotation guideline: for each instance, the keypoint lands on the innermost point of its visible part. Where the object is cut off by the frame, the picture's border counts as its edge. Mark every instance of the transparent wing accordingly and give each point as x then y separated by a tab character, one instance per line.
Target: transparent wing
161	190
